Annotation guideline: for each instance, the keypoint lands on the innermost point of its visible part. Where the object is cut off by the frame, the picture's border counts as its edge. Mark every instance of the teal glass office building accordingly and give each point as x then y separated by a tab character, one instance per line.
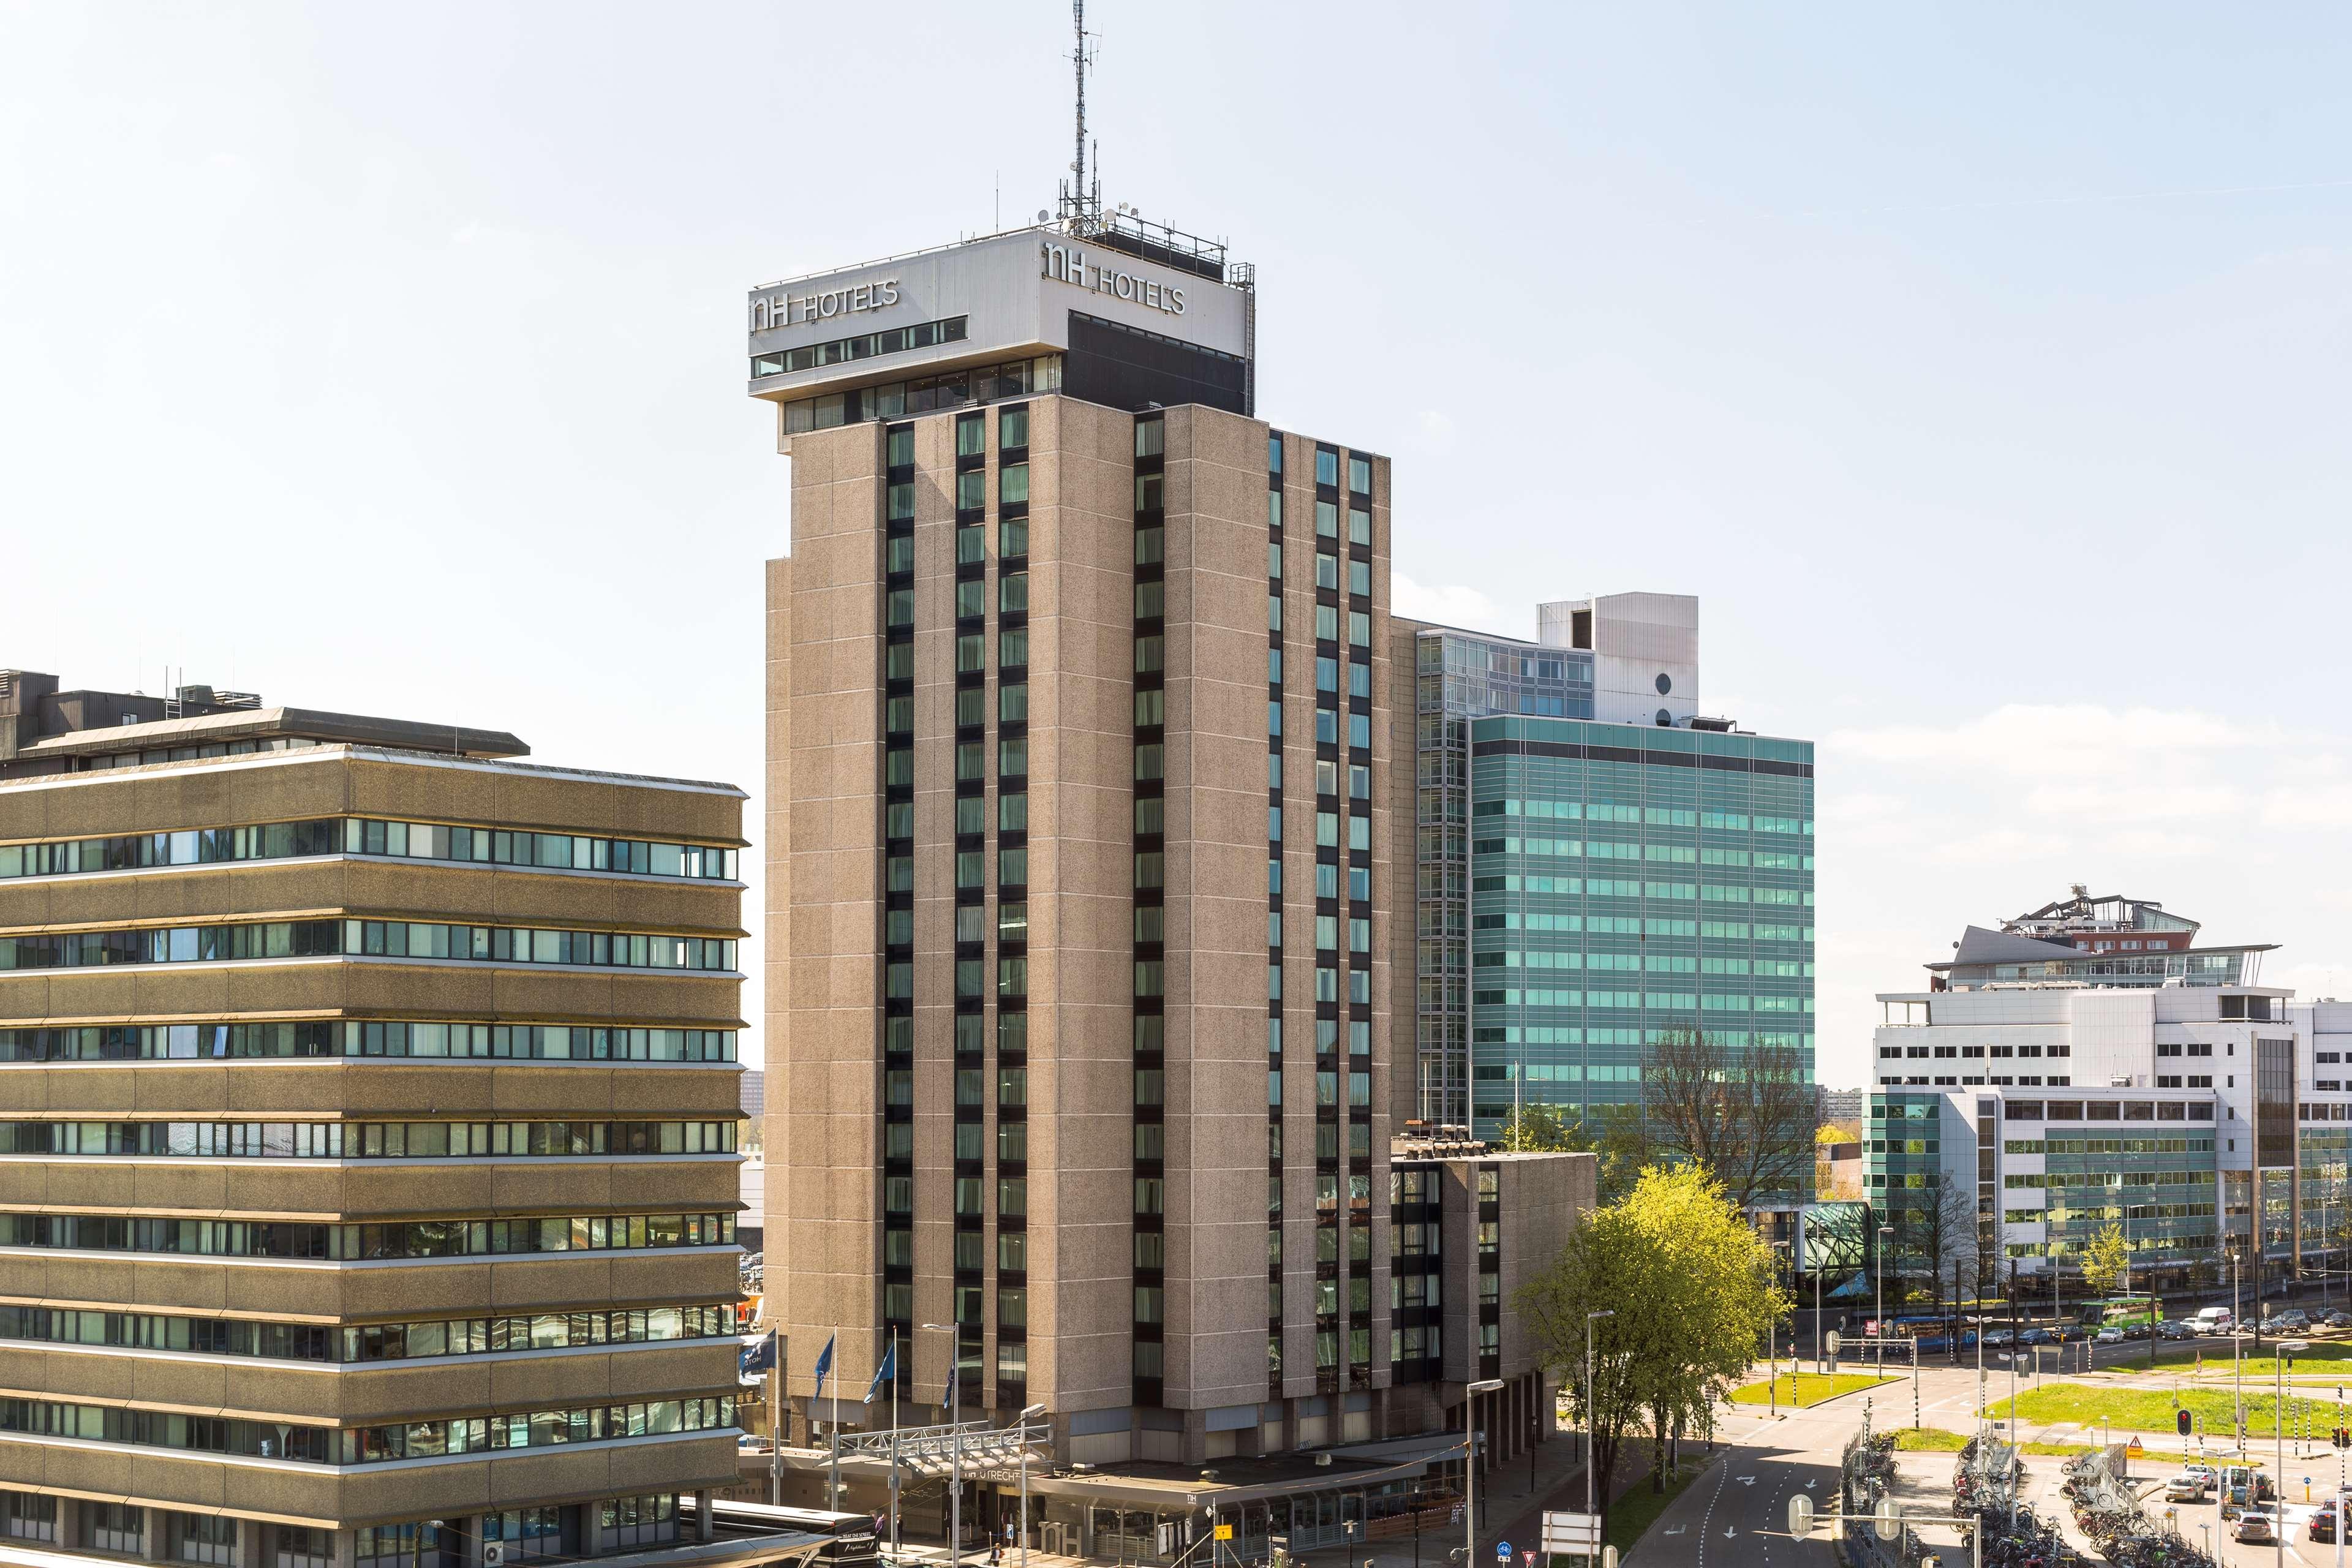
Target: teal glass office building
1626	881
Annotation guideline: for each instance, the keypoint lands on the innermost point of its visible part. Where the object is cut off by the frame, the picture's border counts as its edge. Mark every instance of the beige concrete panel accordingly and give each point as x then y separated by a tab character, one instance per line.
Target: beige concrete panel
707	1274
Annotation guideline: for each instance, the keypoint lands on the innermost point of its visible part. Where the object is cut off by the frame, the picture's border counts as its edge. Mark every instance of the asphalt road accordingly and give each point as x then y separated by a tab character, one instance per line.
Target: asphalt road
1735	1515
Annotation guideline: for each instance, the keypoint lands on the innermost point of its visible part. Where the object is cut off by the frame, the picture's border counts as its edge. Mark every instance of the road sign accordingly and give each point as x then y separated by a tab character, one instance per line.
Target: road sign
1571	1532
1225	1533
1503	1551
1835	1340
1800	1515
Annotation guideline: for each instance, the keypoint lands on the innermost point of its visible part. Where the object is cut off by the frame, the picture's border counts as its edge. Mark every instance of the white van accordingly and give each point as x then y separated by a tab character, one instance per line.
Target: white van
2214	1320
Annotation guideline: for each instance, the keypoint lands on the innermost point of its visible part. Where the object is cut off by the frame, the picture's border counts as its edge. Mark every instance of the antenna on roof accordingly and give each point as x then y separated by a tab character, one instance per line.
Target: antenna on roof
1079	202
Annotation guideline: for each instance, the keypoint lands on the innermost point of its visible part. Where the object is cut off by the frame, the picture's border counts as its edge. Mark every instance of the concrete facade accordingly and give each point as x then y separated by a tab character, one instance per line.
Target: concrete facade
272	1312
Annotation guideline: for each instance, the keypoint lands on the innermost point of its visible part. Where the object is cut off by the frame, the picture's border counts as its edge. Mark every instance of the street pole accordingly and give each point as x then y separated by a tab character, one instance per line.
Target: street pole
776	1426
1022	1422
1590	1429
2237	1357
1820	1363
1470	1394
1878	1290
894	1439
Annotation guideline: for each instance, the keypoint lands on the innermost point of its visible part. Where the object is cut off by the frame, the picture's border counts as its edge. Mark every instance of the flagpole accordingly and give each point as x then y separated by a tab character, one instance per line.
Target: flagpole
776	1423
833	1502
893	1357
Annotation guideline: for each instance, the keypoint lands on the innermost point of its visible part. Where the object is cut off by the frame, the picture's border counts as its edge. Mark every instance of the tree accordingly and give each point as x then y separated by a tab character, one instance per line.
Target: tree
1535	1129
1938	1228
1831	1132
1691	1288
1747	1115
2106	1260
1620	1140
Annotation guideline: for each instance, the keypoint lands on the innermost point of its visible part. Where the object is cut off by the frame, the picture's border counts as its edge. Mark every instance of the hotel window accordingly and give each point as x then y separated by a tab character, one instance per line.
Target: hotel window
1013	427
971	436
1012	485
1359	475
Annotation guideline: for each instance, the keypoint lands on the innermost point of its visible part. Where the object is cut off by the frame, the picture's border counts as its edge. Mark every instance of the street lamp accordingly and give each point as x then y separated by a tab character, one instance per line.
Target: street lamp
1021	1423
955	1449
1772	1348
1878	1293
2286	1350
1470	1394
1590	1318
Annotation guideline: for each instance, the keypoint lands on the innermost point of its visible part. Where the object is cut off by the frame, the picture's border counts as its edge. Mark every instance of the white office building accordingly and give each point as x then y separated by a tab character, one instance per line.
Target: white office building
2088	1065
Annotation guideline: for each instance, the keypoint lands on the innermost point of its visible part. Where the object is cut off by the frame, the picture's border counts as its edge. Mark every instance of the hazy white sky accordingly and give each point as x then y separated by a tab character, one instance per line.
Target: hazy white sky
1982	367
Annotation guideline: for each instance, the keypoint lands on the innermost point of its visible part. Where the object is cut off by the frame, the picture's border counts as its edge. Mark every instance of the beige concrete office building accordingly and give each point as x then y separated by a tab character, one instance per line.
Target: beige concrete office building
1084	866
367	1128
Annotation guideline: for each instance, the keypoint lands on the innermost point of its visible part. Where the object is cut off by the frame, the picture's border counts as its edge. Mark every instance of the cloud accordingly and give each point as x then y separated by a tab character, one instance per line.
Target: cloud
2308	805
1998	846
1449	605
2135	800
2068	741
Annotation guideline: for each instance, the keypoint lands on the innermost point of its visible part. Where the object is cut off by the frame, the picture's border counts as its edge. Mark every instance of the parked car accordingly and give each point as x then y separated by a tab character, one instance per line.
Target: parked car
2037	1337
2287	1322
2110	1335
2180	1330
2338	1320
2001	1337
2255	1524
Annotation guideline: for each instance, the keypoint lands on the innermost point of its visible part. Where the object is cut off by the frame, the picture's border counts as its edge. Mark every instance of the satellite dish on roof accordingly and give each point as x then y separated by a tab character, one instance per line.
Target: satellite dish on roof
1041	215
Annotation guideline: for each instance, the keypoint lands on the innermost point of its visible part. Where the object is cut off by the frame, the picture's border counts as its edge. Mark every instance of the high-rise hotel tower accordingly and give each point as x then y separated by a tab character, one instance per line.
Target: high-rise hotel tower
367	1140
1084	831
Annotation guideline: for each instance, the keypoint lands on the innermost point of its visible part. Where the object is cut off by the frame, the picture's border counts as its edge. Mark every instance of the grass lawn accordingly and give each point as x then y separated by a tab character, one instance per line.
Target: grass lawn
1805	1388
1639	1509
2329	1360
1929	1440
2151	1409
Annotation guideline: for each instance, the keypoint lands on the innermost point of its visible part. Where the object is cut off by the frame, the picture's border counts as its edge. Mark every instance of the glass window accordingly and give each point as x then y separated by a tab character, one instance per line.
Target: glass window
1012	485
1359	475
972	491
1013	427
1150	438
971	436
1327	467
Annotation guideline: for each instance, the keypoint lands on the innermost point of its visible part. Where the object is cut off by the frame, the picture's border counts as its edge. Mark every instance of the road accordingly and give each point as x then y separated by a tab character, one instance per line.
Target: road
1735	1515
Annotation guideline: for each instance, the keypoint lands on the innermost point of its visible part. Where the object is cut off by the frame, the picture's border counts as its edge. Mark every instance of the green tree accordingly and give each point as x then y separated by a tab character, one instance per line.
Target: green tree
2106	1260
1690	1284
1618	1137
1535	1129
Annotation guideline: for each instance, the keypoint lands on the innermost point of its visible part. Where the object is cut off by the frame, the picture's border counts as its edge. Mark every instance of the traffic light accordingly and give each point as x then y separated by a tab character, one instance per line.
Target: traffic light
2344	1436
2181	1423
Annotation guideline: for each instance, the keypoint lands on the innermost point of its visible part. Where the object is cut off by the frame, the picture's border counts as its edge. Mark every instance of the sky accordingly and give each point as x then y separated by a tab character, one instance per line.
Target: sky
1983	368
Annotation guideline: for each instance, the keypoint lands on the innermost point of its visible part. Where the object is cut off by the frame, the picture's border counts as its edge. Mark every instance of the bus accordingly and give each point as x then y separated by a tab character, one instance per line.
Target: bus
2121	1312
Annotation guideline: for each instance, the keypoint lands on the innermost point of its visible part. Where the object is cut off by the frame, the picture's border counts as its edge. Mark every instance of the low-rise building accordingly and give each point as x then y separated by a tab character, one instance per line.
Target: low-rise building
2090	1063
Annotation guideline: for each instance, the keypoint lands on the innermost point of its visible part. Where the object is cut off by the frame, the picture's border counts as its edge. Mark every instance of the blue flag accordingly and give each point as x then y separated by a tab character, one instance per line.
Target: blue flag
884	1372
759	1357
823	1365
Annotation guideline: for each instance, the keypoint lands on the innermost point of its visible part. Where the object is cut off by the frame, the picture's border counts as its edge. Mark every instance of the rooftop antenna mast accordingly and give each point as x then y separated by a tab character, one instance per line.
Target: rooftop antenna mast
1081	206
